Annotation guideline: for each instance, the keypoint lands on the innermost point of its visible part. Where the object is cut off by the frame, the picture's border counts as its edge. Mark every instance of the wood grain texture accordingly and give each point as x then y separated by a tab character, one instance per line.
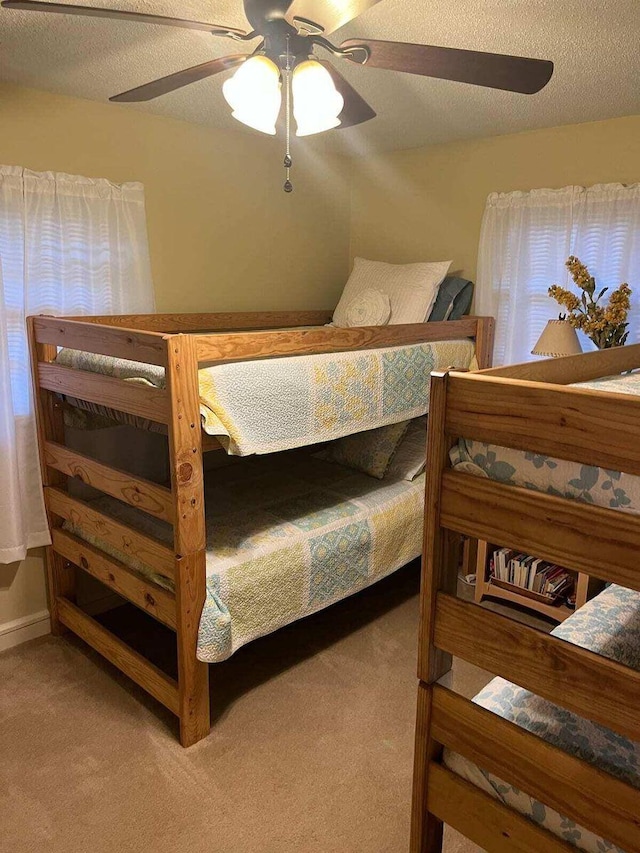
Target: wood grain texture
148	596
187	484
426	828
168	323
131	397
61	578
485	339
127	540
127	660
602	690
566	423
595	540
438	572
137	492
576	789
573	368
242	346
148	347
485	820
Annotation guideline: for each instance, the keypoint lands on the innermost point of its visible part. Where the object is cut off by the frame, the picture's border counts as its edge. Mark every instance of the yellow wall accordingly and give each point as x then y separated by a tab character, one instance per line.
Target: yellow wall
427	203
223	235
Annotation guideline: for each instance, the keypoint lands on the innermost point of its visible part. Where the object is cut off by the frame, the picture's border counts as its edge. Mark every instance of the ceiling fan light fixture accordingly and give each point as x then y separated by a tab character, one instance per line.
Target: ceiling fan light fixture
317	104
254	94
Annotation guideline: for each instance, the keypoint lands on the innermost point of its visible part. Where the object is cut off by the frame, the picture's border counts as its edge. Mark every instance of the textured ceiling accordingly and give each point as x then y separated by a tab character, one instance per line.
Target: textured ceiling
594	45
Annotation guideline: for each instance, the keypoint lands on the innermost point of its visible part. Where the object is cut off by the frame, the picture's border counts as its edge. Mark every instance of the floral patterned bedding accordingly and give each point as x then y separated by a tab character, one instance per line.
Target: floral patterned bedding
609	625
557	477
287	537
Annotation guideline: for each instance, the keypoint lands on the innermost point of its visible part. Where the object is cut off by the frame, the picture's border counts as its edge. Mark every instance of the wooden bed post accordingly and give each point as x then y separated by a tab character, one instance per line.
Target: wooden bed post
187	484
439	572
61	575
485	337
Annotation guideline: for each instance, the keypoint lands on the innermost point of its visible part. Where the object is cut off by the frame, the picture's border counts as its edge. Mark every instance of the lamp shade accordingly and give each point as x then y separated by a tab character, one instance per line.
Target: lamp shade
558	338
254	93
317	104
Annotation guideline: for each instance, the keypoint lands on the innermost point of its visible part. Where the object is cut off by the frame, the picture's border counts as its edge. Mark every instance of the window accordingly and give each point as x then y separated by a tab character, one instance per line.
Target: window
524	243
68	245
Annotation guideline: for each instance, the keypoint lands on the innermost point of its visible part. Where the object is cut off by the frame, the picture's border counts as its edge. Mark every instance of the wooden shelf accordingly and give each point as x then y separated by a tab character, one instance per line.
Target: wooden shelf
485	589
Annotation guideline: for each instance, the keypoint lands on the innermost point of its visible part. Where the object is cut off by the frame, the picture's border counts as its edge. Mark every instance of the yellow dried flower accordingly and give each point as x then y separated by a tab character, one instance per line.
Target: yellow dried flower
606	327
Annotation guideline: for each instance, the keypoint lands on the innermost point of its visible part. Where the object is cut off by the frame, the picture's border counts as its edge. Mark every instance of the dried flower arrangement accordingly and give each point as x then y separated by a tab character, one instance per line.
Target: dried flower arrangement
606	326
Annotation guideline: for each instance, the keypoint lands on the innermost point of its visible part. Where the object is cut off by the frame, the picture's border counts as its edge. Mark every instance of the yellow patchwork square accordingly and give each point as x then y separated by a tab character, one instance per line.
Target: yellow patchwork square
396	531
267	592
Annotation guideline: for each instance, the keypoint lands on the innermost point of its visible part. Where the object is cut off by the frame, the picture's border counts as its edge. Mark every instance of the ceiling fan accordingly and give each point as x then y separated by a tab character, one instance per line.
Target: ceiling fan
289	32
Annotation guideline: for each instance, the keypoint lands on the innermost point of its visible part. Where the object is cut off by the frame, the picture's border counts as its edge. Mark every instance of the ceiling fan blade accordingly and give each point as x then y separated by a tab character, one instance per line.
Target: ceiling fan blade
356	110
495	70
97	12
330	14
181	78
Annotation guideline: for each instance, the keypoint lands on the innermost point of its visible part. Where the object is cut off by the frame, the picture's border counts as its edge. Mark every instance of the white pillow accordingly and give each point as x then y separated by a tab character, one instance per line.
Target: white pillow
369	308
411	288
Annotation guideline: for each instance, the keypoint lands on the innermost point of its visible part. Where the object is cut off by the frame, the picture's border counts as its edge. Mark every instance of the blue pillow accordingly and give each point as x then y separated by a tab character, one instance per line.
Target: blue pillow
453	300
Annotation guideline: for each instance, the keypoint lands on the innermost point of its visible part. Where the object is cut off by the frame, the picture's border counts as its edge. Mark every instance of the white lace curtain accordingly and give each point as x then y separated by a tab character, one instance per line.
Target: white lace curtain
526	239
68	245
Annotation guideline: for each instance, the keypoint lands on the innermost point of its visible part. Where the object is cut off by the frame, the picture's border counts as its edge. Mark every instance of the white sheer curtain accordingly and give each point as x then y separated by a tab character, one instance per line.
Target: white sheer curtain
526	239
68	245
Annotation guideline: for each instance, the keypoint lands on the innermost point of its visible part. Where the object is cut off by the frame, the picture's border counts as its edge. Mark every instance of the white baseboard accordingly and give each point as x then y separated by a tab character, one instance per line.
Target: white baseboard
27	628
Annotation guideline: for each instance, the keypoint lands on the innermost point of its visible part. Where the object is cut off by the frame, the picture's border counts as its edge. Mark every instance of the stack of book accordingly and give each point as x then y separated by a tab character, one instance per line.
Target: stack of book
531	573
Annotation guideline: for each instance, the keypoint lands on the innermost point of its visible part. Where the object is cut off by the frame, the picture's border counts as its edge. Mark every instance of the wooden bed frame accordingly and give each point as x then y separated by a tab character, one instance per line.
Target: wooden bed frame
160	339
527	407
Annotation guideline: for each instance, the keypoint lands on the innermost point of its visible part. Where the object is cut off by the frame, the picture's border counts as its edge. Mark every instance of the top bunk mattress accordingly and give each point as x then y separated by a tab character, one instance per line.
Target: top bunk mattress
269	405
599	486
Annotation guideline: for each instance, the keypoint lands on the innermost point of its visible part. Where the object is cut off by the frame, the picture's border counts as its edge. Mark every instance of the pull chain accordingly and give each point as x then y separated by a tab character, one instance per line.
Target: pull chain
288	162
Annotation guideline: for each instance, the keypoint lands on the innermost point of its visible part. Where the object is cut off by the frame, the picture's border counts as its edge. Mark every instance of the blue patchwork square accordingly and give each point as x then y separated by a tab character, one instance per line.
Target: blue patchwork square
339	562
406	375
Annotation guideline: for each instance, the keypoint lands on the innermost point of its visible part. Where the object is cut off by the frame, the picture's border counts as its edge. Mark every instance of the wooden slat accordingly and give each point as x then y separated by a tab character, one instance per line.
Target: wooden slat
135	491
485	820
131	397
148	347
148	596
601	689
127	660
241	346
127	540
567	423
575	789
573	368
211	322
596	540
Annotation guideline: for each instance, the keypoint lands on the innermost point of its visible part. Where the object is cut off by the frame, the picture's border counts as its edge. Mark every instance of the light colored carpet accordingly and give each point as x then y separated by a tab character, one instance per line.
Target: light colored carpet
311	750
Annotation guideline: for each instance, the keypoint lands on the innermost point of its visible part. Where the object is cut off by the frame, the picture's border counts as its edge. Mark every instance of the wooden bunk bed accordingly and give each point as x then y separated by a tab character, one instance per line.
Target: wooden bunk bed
531	409
179	343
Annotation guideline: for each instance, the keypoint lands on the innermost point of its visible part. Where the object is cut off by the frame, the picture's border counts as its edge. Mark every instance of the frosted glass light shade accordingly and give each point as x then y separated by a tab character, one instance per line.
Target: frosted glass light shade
558	338
317	103
254	94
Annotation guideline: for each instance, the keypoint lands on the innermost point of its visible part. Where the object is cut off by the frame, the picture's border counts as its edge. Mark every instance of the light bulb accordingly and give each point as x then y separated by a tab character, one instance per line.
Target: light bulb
254	94
317	104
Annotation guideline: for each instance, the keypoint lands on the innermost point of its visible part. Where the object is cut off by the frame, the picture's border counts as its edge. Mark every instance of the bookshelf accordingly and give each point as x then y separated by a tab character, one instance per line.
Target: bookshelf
586	588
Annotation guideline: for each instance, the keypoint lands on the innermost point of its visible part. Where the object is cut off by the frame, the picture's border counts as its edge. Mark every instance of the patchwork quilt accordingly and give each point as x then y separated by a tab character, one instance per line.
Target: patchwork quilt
264	406
608	625
287	537
557	477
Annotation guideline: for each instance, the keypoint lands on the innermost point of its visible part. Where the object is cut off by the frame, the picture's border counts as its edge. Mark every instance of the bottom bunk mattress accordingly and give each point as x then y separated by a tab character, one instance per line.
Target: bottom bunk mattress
286	537
608	625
